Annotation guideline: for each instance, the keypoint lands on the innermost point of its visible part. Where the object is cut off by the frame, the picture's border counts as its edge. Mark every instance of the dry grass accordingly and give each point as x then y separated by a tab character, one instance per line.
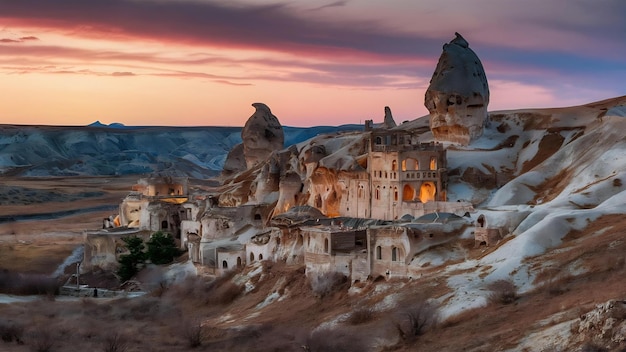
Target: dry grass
324	284
360	316
502	291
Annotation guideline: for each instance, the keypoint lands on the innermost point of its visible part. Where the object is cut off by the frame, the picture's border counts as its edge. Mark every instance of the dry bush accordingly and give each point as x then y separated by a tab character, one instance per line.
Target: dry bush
192	332
27	284
465	315
417	319
10	331
556	286
334	340
41	340
502	291
360	316
220	290
115	343
228	292
323	284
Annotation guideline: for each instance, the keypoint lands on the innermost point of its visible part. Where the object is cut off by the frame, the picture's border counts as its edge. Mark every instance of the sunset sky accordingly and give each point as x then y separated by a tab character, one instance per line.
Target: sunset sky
204	62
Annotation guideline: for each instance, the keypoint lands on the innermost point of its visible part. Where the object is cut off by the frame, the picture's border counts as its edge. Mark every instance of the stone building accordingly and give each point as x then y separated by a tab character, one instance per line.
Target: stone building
402	177
370	250
155	204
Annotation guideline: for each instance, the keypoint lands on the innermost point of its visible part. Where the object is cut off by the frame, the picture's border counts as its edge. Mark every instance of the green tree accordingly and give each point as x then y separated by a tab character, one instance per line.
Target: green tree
162	248
129	263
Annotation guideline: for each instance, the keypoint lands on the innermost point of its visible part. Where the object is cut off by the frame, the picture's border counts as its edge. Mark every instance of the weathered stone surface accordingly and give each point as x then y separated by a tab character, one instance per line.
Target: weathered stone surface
458	94
261	135
389	122
235	161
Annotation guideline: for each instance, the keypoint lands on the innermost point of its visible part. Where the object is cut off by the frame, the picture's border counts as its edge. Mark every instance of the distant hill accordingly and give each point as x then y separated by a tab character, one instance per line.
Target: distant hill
116	149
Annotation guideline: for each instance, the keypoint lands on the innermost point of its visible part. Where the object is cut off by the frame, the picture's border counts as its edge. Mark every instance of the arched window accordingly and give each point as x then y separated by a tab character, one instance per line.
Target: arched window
379	253
410	164
377	193
395	194
257	216
224	264
164	224
433	163
260	257
394	254
394	165
379	140
251	257
239	262
326	245
360	191
481	221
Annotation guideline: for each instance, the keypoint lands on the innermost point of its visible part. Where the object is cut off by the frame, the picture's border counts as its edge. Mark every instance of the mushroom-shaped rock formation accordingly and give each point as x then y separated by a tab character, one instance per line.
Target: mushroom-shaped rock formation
458	94
261	135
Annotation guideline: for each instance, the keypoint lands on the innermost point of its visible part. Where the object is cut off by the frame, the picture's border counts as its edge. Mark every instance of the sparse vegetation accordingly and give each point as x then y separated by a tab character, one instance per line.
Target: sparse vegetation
27	284
592	347
11	331
115	343
334	340
41	339
192	331
417	319
360	316
323	284
503	291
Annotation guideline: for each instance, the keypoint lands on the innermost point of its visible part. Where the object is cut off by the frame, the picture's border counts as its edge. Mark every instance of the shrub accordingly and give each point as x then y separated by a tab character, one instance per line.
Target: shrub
503	291
115	343
360	316
326	283
417	319
10	332
162	248
192	332
41	339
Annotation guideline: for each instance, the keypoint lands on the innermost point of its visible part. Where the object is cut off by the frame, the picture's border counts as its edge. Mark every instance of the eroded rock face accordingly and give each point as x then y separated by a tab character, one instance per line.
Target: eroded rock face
235	161
261	135
458	94
389	122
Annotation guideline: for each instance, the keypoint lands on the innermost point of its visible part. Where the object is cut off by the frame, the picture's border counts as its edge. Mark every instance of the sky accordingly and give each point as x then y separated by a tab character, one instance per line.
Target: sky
204	62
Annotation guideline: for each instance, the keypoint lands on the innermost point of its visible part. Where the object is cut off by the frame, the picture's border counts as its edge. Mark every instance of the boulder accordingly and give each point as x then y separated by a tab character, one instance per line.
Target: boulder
458	94
261	135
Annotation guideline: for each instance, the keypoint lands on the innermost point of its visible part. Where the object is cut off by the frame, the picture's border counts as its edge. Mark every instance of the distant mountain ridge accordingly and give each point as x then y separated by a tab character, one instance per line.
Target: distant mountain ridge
116	149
